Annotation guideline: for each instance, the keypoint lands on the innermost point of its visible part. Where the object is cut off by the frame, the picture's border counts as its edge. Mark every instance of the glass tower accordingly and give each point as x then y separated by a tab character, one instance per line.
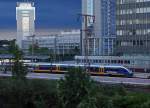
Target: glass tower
104	11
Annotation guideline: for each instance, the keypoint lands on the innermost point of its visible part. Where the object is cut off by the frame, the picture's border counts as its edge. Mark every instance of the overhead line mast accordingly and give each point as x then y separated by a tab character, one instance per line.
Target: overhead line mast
88	19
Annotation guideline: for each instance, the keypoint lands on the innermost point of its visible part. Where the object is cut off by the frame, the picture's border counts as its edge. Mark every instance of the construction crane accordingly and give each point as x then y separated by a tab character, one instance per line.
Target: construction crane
88	19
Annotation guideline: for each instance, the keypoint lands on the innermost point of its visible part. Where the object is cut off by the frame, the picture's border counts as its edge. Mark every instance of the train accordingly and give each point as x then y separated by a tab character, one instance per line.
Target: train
101	70
135	63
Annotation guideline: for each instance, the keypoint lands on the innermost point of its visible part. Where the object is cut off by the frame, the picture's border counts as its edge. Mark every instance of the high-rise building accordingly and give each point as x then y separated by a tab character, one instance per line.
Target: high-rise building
133	27
87	8
104	32
104	26
88	39
25	16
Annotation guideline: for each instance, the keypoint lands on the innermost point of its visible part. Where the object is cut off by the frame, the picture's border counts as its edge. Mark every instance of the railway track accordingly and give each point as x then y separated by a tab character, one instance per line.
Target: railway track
101	79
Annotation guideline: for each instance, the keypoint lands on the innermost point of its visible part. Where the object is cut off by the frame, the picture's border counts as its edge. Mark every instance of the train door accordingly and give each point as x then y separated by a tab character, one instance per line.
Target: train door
35	68
101	70
57	68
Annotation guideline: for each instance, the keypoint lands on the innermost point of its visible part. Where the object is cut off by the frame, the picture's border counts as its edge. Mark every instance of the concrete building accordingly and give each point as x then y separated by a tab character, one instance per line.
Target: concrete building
133	27
25	16
60	42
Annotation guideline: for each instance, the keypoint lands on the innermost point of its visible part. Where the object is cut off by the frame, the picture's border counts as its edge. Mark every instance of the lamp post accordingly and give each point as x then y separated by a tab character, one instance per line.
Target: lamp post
32	48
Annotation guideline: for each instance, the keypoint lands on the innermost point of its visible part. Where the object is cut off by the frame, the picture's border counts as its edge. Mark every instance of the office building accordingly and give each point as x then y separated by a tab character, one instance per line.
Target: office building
133	27
25	16
101	41
104	26
60	42
89	41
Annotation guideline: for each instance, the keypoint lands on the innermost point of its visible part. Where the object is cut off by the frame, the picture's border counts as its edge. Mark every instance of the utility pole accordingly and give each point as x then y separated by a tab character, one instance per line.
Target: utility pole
32	48
88	19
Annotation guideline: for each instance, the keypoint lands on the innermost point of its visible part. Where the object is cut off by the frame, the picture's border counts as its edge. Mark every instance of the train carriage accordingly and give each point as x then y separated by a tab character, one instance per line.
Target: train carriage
103	70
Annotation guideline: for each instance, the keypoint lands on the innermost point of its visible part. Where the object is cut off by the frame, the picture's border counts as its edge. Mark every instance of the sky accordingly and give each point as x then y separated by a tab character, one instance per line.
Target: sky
49	13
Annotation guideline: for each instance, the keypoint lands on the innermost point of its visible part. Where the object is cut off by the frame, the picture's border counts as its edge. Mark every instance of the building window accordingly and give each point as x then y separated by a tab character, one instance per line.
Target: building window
25	25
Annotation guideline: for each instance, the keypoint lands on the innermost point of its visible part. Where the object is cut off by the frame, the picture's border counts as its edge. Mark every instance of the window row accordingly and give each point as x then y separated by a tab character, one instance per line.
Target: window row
134	32
132	11
132	43
107	61
130	1
133	21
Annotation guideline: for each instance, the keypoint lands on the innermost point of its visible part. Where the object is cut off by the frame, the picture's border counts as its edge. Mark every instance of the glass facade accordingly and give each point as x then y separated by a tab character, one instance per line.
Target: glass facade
104	27
108	25
133	27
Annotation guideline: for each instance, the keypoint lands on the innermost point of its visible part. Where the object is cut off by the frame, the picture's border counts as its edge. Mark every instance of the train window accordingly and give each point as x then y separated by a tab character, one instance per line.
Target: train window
127	62
118	70
53	67
94	69
64	68
112	69
113	61
43	67
121	61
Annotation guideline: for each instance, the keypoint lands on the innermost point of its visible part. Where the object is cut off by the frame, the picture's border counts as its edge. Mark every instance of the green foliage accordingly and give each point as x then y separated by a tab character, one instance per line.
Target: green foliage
8	48
74	88
16	93
112	90
37	50
12	47
146	104
18	70
131	101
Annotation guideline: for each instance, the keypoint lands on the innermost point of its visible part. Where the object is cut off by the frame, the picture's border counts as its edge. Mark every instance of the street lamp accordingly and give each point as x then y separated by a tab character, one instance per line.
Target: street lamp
32	49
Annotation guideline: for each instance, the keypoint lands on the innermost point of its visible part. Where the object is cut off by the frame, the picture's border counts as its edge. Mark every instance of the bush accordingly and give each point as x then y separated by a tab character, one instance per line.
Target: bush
74	88
16	93
131	101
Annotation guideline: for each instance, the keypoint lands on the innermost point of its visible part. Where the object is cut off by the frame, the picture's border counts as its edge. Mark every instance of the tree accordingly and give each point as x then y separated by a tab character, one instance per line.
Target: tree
76	50
12	46
34	47
74	88
19	70
38	50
